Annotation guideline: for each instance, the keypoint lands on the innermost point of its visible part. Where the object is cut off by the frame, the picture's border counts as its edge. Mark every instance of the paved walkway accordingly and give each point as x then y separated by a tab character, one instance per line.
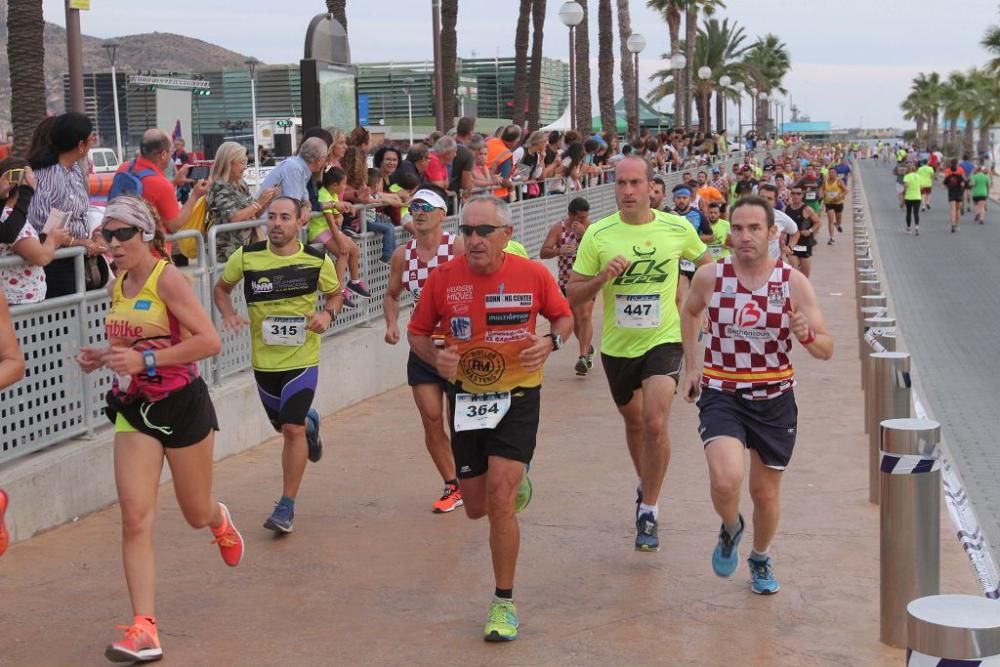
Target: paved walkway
944	291
371	577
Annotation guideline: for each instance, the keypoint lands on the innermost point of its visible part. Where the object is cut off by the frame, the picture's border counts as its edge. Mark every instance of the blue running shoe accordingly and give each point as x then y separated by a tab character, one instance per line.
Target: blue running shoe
762	581
313	439
281	519
646	538
726	556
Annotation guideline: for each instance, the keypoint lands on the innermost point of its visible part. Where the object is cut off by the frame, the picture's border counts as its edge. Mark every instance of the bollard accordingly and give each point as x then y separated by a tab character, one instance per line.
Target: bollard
889	398
945	629
909	520
879	336
864	262
865	286
869	305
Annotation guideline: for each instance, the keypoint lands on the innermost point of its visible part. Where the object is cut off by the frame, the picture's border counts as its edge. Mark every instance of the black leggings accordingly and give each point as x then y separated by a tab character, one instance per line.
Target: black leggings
912	206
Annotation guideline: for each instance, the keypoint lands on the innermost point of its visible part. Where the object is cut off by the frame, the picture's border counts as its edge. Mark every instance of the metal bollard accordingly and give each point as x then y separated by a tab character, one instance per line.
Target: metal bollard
866	286
879	336
864	263
950	628
909	520
889	398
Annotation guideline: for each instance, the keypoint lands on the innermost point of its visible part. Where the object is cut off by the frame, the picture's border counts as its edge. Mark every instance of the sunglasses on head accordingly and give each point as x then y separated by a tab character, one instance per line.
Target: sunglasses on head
123	234
423	207
483	231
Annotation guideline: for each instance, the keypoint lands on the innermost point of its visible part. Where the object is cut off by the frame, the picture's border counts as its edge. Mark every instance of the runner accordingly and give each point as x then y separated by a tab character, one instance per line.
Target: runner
954	181
980	193
900	171
809	224
913	197
658	194
488	302
781	244
811	185
409	268
632	257
926	174
684	208
754	307
561	242
718	247
157	331
11	370
280	279
834	193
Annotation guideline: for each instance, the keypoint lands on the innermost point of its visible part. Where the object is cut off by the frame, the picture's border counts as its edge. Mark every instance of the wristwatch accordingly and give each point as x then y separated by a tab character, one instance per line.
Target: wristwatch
557	341
149	361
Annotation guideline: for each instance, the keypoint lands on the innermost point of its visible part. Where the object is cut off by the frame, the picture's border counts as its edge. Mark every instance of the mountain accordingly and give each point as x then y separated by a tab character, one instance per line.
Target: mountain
154	50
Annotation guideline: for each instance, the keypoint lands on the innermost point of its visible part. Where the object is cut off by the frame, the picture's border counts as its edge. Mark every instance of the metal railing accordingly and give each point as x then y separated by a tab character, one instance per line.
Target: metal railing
57	402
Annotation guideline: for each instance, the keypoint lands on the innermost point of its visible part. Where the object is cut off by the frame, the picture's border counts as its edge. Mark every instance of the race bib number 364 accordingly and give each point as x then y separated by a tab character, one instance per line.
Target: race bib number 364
637	311
284	330
479	411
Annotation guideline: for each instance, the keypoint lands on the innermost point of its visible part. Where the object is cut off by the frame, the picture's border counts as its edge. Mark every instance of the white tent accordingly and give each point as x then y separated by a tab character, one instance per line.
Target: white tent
563	123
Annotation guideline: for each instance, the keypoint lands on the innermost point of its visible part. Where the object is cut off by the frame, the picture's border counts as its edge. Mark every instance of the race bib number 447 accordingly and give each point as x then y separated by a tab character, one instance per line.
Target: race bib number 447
479	411
637	311
284	330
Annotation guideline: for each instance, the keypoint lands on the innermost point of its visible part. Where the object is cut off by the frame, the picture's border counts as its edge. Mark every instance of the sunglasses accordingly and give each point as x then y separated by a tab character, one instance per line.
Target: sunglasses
796	194
422	207
483	231
123	234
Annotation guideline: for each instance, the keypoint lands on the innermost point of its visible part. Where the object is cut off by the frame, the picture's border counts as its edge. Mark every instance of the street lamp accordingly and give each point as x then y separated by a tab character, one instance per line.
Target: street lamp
724	83
704	72
740	89
252	64
111	48
571	14
635	44
760	99
677	62
409	104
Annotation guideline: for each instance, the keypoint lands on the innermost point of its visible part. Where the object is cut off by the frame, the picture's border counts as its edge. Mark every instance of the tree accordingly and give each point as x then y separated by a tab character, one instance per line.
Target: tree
927	91
535	75
672	13
339	10
719	46
26	57
449	56
991	42
707	7
584	116
521	61
766	64
629	81
606	67
912	111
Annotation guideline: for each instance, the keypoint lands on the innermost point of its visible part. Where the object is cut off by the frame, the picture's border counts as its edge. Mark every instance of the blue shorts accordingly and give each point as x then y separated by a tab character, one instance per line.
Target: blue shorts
287	395
767	426
419	371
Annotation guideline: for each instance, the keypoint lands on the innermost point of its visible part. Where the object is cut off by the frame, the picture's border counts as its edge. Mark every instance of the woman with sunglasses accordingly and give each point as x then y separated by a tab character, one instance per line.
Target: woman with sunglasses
157	331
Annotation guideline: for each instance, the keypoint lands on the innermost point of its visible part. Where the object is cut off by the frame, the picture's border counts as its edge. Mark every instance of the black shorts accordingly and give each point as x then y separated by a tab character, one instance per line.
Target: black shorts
513	438
979	199
625	375
767	426
182	419
287	395
838	208
956	196
419	371
687	274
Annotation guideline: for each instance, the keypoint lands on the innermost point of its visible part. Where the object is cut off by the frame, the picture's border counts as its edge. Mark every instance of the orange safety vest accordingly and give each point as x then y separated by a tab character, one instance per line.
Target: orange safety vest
496	154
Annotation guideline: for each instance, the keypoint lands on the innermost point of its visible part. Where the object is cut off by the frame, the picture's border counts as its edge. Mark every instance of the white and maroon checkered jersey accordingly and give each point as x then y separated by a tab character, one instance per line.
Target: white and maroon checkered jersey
416	270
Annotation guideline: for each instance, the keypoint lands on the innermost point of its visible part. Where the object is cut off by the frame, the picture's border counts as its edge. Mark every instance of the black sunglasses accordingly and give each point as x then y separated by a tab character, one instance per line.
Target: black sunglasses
483	231
123	234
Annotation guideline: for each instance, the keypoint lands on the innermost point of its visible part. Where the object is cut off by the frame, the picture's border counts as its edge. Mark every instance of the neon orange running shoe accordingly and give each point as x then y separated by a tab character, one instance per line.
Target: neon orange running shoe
450	500
140	644
4	536
229	539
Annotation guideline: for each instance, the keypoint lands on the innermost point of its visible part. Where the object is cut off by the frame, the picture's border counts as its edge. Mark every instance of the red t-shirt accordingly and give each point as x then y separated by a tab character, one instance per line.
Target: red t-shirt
156	189
436	170
489	318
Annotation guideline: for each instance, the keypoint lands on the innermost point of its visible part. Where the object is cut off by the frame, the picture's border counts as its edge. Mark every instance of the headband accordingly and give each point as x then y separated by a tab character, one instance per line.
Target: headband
133	212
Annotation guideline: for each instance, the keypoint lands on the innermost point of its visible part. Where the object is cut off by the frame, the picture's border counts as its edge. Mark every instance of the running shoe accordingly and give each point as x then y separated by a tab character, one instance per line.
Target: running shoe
313	439
909	231
590	356
348	302
762	581
726	556
840	229
229	539
646	538
360	288
4	535
524	492
281	519
582	367
917	231
141	643
953	229
501	626
450	500
830	242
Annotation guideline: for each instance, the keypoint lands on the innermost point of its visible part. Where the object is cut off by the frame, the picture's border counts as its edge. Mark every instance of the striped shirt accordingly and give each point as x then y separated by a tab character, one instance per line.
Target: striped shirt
66	190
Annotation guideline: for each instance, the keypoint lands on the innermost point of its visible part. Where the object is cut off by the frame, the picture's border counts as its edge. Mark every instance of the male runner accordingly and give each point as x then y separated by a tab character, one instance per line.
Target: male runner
658	194
280	279
809	224
755	306
781	244
980	193
561	242
632	257
968	169
717	240
685	209
409	268
811	185
954	182
926	174
488	302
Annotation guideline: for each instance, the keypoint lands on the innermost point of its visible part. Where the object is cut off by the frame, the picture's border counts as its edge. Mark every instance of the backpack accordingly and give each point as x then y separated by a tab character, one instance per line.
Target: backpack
128	182
197	222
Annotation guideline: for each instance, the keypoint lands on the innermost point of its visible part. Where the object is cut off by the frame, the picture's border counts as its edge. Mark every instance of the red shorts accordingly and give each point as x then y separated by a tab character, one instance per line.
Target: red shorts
925	191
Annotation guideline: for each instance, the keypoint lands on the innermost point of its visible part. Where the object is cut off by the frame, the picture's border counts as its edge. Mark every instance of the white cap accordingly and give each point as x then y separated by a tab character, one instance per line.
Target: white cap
431	197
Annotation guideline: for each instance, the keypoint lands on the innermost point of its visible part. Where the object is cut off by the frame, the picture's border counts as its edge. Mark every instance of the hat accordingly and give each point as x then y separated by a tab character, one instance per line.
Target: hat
715	170
431	197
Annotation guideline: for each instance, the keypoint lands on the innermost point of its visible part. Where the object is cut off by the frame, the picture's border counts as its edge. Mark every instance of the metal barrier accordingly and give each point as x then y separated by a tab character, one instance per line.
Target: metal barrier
953	630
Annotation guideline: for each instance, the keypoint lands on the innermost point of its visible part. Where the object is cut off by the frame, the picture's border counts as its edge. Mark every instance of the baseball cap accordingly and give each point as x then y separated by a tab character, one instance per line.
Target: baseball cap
431	197
715	170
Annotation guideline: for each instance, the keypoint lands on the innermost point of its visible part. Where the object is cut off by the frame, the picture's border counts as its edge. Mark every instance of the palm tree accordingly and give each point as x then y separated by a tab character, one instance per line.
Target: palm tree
928	90
707	7
952	106
606	66
584	117
535	75
912	111
672	12
449	56
629	81
991	42
339	10
26	57
719	46
521	61
985	101
766	64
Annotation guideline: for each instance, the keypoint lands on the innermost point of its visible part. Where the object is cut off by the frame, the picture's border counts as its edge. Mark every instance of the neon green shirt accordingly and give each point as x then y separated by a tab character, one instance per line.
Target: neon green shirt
911	186
717	248
515	248
980	185
926	173
640	309
403	210
318	224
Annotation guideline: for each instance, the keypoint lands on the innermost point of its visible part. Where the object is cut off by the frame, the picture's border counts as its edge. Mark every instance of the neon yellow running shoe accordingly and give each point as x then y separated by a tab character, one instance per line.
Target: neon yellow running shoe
502	623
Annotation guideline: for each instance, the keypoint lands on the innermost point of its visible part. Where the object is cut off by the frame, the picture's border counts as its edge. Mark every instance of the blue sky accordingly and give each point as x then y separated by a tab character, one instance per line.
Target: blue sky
852	60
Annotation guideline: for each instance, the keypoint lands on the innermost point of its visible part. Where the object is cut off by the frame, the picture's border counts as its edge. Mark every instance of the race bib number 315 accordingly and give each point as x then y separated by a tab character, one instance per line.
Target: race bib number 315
284	330
479	411
637	311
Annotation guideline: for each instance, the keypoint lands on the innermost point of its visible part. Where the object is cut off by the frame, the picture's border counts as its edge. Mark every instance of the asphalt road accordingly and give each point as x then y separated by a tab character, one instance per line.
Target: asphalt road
946	293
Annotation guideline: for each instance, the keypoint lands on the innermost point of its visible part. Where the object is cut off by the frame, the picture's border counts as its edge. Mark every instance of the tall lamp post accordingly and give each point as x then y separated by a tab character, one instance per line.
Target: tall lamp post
635	44
678	62
409	104
761	99
740	89
111	48
724	82
704	73
438	76
252	64
571	14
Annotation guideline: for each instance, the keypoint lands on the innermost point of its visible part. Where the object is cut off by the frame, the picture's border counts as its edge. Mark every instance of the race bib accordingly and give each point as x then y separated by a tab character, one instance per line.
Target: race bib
284	330
811	195
715	251
687	265
637	311
479	411
799	248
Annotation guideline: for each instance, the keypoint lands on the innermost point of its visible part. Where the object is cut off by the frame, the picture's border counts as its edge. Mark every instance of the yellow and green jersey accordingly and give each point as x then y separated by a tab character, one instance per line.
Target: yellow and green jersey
926	173
318	224
911	186
640	309
717	248
515	248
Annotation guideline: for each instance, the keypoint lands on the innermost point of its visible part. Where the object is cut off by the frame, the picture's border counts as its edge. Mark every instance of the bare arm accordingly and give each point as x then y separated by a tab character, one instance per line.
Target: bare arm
11	360
692	315
582	289
807	319
197	192
550	246
204	342
37	253
424	348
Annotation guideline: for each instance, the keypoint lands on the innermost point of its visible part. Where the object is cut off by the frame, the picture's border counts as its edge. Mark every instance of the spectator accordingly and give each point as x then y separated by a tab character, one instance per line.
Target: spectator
386	160
416	161
444	151
229	200
404	187
292	176
481	176
325	230
327	136
355	164
461	166
61	185
532	167
23	284
338	146
570	168
182	161
500	158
